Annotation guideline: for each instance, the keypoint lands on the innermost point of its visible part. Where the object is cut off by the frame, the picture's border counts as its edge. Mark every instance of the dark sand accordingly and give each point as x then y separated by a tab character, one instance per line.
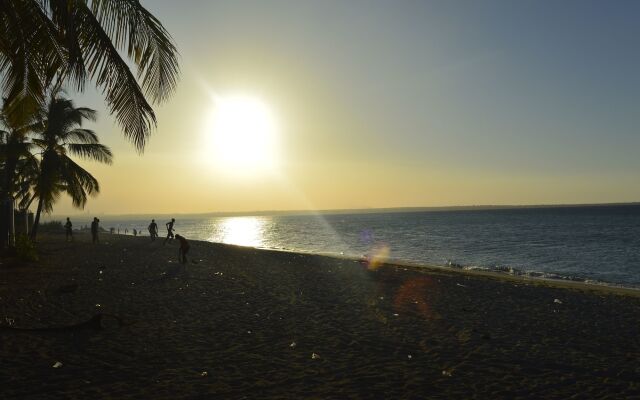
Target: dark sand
225	328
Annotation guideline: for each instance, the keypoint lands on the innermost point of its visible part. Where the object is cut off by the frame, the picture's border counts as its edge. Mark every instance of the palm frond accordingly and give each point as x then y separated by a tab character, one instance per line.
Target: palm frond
29	54
78	182
92	151
123	94
81	136
148	43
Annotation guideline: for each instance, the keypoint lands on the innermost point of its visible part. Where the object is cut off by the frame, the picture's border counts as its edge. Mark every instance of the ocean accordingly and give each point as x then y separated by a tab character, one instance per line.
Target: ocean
598	244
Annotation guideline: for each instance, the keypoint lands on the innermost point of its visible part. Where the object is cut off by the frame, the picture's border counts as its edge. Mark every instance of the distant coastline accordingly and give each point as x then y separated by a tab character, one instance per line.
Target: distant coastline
347	210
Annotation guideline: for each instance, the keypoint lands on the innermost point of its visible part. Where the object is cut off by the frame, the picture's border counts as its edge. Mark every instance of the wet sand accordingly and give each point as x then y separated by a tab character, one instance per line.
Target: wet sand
124	320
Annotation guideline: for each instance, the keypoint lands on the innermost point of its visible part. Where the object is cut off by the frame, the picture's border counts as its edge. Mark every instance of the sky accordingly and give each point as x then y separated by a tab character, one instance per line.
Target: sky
378	104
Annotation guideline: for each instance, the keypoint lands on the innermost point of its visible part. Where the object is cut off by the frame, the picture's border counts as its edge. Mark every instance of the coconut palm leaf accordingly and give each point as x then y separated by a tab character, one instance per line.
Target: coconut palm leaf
81	136
92	151
54	41
30	54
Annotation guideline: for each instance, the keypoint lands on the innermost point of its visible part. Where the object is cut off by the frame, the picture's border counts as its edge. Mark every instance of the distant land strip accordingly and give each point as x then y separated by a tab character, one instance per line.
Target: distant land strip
351	210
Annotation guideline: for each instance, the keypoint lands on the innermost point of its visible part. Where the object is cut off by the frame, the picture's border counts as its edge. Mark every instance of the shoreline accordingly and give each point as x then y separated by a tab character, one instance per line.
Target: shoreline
123	319
579	284
506	272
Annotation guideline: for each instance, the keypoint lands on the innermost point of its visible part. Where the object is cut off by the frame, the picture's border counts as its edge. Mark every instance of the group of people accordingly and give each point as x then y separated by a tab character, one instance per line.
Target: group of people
184	245
153	231
68	230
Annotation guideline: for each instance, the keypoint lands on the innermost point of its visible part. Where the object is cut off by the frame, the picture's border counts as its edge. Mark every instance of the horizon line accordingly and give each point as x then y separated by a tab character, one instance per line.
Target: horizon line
365	210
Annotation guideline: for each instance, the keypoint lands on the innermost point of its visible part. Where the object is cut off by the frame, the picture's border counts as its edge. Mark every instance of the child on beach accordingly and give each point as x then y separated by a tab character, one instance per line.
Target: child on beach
169	226
183	250
67	229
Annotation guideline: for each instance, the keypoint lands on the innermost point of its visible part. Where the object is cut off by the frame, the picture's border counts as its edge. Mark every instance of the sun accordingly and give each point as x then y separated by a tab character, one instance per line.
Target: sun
242	134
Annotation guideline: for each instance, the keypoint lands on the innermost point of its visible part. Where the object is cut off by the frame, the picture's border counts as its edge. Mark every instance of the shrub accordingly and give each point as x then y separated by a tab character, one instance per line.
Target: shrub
51	227
26	249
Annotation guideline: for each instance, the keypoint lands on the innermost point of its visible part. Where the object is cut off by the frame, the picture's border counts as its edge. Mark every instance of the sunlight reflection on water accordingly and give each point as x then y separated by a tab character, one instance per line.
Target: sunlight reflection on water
241	231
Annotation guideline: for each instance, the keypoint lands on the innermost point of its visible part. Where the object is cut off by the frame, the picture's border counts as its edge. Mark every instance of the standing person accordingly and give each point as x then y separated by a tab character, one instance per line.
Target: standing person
183	250
153	229
135	232
169	226
67	230
94	230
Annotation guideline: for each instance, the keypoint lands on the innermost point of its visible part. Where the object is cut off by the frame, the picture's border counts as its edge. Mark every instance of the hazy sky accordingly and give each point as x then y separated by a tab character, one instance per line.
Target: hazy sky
392	104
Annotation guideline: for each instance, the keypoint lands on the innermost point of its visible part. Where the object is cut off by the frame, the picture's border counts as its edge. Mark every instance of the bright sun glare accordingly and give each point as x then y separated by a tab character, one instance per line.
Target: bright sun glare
243	133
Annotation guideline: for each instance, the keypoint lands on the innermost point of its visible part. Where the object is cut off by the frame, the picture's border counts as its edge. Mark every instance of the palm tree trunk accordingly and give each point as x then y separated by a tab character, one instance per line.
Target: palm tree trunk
6	200
36	222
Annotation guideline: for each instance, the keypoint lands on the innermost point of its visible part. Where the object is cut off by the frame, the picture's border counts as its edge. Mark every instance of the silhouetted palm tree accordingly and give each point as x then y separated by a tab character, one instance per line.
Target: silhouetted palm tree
14	144
45	43
14	156
27	172
48	42
61	134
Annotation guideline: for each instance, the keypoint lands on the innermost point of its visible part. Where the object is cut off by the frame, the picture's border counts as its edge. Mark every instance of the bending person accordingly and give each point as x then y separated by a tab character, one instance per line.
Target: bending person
183	250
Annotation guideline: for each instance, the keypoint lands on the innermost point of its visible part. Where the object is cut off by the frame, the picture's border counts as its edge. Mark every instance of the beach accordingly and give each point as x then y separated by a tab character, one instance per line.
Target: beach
123	319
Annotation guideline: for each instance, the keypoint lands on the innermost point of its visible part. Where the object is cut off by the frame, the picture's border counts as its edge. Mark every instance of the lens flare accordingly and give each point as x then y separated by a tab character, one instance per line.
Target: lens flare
378	256
414	294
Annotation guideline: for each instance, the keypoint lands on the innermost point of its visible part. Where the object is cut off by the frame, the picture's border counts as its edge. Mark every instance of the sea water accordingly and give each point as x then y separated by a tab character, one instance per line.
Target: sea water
590	243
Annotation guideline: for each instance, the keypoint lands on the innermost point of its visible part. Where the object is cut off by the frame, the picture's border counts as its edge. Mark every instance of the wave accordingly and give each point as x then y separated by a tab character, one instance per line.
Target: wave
534	274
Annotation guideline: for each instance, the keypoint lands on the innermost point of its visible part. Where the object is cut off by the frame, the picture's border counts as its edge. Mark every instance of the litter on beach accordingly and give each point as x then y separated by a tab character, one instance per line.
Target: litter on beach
57	364
557	301
314	356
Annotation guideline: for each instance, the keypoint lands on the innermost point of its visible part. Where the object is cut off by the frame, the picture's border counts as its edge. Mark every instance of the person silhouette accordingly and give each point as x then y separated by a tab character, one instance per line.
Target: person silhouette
169	226
94	230
67	230
153	230
183	250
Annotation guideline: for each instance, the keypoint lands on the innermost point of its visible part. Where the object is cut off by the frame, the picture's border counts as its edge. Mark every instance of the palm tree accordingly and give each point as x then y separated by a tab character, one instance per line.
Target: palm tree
14	155
61	134
46	43
50	42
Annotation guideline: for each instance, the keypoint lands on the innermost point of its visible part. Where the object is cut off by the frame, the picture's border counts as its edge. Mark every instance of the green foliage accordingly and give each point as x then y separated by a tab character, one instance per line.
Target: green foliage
26	249
51	227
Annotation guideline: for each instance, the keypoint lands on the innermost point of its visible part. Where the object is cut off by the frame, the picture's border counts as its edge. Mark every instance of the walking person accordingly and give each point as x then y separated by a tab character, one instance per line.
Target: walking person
68	231
169	226
94	230
153	230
